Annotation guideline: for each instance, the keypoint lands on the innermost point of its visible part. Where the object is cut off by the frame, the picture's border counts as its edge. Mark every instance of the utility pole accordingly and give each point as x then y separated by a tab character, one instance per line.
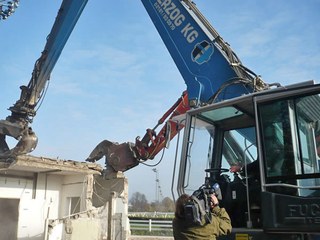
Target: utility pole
158	195
157	185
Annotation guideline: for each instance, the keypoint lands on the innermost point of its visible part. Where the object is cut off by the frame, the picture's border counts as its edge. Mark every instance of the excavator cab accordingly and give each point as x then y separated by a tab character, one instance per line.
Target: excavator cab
273	137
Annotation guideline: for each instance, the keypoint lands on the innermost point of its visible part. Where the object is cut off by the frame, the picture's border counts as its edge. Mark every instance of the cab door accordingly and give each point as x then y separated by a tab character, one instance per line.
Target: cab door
288	133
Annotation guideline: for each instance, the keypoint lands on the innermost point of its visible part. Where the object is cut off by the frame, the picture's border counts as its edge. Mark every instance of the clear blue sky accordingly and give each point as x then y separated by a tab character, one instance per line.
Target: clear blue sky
115	78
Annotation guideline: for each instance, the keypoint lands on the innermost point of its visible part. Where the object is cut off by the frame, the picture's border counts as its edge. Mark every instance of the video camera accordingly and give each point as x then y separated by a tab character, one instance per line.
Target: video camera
198	208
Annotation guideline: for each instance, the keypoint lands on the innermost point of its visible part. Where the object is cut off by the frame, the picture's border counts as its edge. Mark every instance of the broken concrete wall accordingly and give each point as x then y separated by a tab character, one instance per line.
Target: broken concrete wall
84	225
106	220
113	187
39	197
75	191
35	189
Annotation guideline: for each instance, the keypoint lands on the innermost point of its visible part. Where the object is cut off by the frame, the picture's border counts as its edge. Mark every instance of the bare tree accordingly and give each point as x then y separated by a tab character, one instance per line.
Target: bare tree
138	202
167	205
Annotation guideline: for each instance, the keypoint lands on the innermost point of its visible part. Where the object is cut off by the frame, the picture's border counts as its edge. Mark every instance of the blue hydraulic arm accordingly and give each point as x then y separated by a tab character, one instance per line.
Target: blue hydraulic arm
22	112
209	67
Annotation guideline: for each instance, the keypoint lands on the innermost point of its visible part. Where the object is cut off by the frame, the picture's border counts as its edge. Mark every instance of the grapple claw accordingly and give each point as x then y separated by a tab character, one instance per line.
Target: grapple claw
120	157
3	144
26	144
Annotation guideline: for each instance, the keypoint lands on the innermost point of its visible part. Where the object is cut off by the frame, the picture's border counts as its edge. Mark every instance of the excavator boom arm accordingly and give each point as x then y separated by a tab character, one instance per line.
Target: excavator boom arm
211	71
206	62
152	143
122	157
22	112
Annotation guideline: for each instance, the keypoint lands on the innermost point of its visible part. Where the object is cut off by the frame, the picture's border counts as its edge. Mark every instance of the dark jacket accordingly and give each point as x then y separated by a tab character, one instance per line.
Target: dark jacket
220	225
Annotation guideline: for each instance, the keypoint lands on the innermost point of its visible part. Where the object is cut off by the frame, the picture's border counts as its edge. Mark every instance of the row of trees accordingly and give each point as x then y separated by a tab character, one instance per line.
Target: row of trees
139	203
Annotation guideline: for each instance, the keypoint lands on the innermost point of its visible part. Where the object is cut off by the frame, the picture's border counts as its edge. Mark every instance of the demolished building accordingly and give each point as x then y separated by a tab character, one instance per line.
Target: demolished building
50	199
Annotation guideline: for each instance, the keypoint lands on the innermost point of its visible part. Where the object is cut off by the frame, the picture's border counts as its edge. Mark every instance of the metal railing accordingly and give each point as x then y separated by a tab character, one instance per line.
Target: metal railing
151	225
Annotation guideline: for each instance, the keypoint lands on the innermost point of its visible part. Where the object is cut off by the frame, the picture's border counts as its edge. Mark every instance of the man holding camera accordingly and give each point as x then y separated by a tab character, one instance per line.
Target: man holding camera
216	223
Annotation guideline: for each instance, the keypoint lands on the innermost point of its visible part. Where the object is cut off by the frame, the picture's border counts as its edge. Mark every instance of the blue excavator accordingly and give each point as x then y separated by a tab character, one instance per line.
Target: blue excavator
231	119
211	70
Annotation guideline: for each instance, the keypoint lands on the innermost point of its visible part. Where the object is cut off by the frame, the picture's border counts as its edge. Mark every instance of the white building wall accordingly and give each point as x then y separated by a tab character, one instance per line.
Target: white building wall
21	188
47	201
33	212
72	186
107	219
43	196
